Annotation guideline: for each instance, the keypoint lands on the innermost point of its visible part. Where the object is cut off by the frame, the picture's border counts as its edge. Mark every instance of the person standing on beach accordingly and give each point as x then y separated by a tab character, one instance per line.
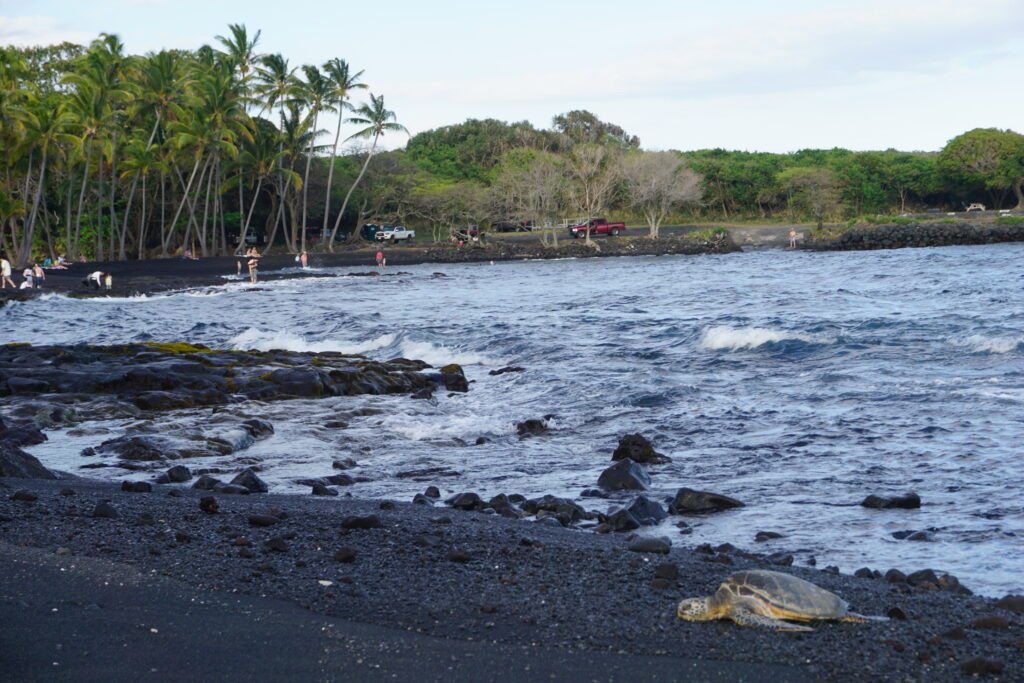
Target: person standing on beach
38	276
304	259
27	274
254	263
381	261
5	273
792	238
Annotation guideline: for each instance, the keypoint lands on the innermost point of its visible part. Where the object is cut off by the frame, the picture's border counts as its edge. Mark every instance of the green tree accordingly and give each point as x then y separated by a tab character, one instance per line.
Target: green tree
342	83
814	190
990	157
657	182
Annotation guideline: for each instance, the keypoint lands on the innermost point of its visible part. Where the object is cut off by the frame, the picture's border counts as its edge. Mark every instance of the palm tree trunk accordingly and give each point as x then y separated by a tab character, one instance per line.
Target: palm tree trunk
25	252
113	190
348	195
330	175
185	199
248	217
305	181
81	193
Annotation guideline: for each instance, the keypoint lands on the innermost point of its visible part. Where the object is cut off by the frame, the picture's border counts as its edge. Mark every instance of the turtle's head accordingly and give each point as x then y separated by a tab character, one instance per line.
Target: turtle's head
694	609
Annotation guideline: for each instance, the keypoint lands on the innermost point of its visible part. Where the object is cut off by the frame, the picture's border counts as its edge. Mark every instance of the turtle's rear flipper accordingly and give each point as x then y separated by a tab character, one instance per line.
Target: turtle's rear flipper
745	617
853	616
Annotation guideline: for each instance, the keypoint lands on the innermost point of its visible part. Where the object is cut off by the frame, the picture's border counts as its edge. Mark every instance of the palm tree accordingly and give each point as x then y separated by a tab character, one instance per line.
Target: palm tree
241	51
314	93
45	125
378	120
343	81
261	157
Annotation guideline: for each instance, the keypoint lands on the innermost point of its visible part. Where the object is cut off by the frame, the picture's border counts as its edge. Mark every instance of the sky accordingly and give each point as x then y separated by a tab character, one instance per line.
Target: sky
756	75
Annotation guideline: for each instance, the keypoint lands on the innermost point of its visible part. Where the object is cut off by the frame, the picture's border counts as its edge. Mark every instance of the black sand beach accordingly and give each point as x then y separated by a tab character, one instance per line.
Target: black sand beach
288	587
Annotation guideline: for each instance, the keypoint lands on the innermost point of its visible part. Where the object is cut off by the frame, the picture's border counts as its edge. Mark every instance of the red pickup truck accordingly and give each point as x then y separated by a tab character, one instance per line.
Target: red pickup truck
596	226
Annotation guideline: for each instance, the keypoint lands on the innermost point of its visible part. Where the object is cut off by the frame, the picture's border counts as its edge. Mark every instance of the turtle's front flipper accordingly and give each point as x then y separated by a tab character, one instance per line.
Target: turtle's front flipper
745	617
853	616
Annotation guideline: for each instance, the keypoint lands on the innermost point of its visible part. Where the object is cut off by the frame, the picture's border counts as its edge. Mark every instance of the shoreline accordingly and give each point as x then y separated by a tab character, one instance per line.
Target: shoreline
503	588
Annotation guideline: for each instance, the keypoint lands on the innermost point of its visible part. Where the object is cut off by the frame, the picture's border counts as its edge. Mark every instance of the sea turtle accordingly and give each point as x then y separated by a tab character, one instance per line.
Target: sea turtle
759	597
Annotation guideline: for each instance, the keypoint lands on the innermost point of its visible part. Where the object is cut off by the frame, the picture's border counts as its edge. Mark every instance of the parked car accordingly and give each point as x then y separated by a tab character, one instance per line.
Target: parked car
396	233
596	226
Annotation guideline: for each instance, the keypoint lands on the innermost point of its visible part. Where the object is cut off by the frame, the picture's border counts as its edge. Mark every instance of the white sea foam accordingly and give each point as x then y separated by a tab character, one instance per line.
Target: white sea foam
441	355
264	340
735	338
978	343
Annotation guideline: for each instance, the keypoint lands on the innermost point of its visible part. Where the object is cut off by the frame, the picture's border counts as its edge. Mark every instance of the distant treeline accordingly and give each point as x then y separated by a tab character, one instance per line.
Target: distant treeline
111	155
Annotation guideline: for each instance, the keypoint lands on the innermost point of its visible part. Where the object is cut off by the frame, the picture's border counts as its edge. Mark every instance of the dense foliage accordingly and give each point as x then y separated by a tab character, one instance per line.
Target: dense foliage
111	155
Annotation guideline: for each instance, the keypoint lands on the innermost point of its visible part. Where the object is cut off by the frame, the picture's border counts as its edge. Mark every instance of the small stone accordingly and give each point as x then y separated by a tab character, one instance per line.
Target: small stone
276	544
249	480
991	622
688	501
182	537
955	634
923	576
781	559
432	492
896	613
344	463
241	542
667	570
459	556
649	544
345	555
263	520
105	510
368	522
762	536
466	501
386	505
208	504
25	496
421	499
321	490
895	576
178	474
206	483
1014	603
981	667
864	573
136	486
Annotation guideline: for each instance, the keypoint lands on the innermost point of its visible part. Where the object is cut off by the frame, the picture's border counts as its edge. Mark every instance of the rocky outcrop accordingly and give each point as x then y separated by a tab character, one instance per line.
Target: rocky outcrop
624	475
15	462
688	501
638	449
160	377
929	234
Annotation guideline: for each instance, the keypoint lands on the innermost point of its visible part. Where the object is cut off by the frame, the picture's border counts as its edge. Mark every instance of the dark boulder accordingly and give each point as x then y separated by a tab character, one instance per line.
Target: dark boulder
622	520
420	499
651	544
21	434
763	536
368	522
249	480
466	501
178	474
638	449
647	511
624	475
453	378
140	448
15	462
136	486
566	511
688	501
531	427
105	510
208	504
508	368
1014	603
907	501
27	385
258	428
321	490
207	483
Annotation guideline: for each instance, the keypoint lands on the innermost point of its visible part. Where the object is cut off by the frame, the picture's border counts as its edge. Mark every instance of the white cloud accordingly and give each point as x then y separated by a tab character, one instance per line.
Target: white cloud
32	31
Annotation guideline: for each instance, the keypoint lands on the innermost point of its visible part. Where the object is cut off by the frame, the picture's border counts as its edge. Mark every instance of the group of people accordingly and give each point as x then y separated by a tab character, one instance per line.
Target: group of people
34	276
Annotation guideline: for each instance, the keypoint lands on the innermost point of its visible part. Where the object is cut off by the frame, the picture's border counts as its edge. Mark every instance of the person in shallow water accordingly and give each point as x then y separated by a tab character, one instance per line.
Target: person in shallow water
381	261
792	238
254	264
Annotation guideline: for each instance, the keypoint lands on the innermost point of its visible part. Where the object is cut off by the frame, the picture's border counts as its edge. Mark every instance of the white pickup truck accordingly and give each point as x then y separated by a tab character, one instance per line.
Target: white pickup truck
395	234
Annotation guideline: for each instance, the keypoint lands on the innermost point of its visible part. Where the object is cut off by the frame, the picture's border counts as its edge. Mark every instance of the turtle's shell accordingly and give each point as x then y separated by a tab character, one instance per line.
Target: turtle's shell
785	595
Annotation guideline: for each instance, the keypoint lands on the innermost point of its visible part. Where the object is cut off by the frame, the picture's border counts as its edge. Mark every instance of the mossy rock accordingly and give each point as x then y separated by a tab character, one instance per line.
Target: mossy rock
179	347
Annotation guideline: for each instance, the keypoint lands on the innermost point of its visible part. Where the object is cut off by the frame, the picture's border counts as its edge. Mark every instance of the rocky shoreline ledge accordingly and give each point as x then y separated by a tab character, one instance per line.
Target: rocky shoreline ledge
501	572
915	234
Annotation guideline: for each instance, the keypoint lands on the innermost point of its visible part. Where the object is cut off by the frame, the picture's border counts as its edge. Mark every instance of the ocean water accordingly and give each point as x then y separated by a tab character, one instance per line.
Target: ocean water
798	383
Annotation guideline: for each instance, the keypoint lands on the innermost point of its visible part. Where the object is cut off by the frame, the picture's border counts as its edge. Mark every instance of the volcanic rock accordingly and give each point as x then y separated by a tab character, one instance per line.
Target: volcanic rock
638	449
907	501
647	511
624	475
650	544
15	462
687	501
249	480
